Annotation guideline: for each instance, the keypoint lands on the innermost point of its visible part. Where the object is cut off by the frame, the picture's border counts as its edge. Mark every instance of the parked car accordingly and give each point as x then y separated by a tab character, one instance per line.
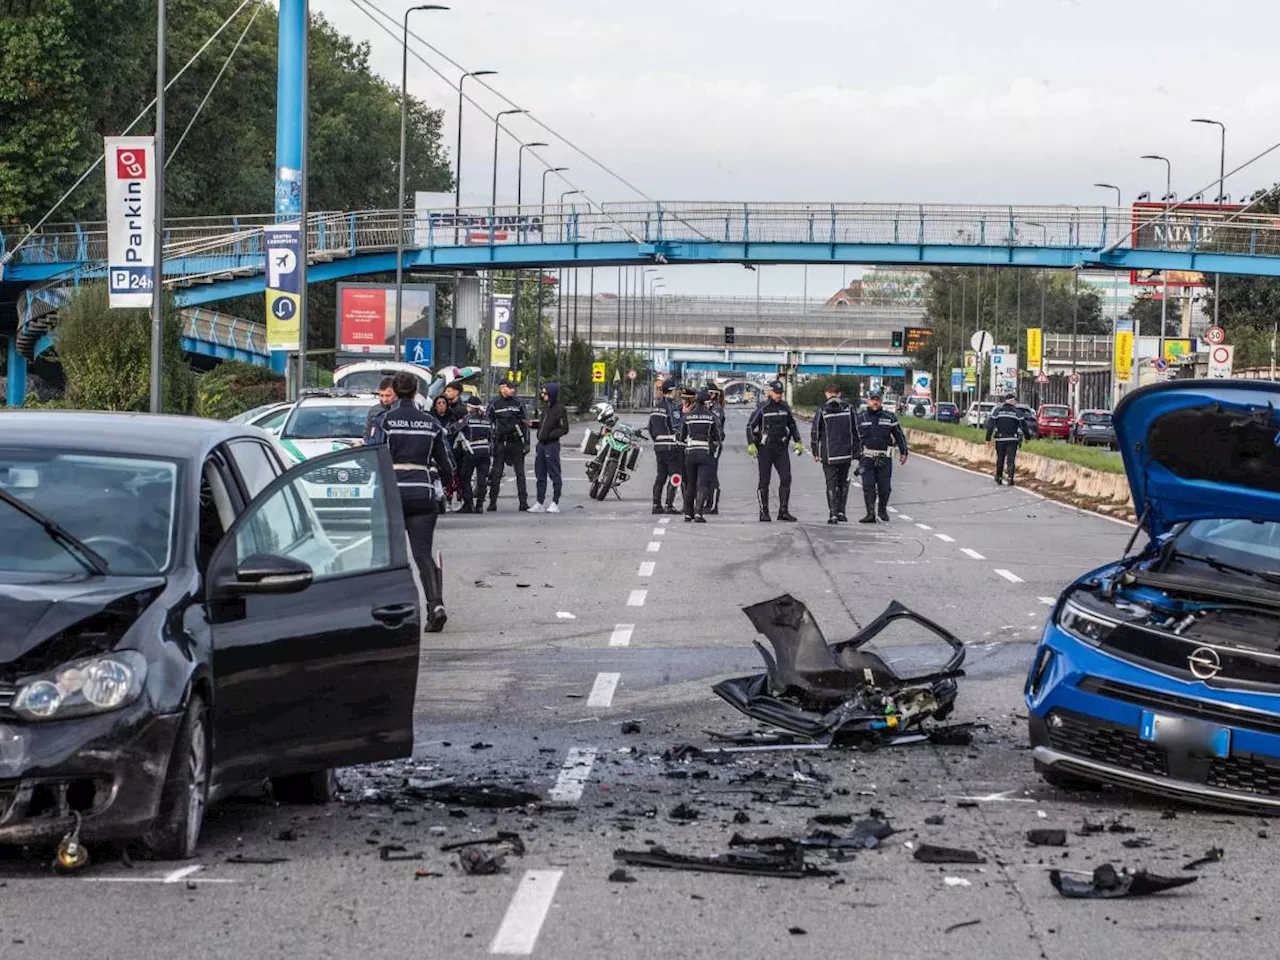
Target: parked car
1093	427
1029	418
976	415
919	409
321	423
1159	672
269	417
947	413
1054	421
179	623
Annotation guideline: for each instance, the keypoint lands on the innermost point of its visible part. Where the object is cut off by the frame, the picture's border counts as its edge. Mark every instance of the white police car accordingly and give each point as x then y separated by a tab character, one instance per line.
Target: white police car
321	423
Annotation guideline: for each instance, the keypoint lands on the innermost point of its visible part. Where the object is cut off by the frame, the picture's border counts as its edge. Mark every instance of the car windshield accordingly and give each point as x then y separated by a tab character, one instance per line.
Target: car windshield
1254	544
1097	419
122	508
326	422
1055	412
366	381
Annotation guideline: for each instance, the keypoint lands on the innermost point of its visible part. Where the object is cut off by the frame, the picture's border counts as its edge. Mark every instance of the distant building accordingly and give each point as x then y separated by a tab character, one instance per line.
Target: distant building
902	284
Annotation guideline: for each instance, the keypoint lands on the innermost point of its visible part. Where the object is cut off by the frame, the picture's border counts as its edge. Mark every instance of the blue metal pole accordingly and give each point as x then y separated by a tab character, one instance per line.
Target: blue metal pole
16	390
290	78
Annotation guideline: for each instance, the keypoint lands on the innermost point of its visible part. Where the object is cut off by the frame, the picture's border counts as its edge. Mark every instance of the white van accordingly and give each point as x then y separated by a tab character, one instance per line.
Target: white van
364	376
976	415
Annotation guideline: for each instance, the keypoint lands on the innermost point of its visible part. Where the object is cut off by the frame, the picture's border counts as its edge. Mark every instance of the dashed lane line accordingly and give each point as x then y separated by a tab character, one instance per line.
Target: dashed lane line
924	526
602	690
659	531
893	509
518	934
903	516
1010	576
637	598
654	546
944	538
573	775
664	521
621	636
974	554
647	568
1047	601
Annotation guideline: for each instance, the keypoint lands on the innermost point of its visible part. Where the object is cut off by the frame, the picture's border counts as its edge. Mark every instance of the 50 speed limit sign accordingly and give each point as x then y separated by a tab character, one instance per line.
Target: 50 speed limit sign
1215	335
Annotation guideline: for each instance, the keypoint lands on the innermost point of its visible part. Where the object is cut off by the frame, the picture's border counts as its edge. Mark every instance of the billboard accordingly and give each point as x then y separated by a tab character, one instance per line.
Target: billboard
366	317
283	244
500	342
437	222
1188	227
1035	349
131	220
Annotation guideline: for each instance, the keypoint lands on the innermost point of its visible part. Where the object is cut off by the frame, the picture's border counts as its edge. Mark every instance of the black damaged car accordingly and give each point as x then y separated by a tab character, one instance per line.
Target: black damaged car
178	620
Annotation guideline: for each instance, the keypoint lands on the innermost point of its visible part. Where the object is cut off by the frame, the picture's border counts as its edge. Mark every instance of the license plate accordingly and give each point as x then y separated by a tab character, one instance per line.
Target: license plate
1197	737
342	493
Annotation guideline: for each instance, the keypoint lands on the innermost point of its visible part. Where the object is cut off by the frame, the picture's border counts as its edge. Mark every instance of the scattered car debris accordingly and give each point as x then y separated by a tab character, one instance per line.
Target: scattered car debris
621	876
425	874
684	812
960	926
513	841
937	820
1212	855
1047	838
481	745
787	864
928	853
483	584
956	882
287	836
1108	883
396	852
1135	843
245	860
565	615
485	796
841	693
631	726
798	931
477	863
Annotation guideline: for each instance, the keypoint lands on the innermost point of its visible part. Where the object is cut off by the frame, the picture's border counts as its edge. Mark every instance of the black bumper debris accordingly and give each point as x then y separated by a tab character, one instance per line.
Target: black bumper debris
1108	883
786	863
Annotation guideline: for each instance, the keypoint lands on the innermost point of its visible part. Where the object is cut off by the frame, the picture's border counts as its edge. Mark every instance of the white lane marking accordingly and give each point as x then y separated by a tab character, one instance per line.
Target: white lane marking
654	546
647	568
1011	577
1001	797
523	921
923	526
944	538
573	775
637	598
621	636
893	509
1047	601
181	873
602	690
972	553
903	516
659	532
664	521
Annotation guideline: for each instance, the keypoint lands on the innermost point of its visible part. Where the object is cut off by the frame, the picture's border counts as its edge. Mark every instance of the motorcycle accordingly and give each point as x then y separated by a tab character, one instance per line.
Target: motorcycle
617	450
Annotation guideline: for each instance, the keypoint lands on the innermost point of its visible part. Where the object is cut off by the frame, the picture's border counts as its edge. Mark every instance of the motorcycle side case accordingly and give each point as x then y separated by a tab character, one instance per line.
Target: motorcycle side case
633	458
590	442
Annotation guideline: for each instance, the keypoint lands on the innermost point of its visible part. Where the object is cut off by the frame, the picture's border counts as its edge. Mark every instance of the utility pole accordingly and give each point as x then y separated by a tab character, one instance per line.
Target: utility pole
157	281
303	166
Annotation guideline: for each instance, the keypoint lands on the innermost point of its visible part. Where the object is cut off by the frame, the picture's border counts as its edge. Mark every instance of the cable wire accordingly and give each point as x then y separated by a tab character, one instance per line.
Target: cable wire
8	256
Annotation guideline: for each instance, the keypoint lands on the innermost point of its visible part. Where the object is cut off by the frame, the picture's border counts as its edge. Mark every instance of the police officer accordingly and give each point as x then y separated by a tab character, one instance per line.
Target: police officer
1006	423
700	433
664	429
834	441
510	443
386	397
768	431
879	432
474	440
416	441
716	406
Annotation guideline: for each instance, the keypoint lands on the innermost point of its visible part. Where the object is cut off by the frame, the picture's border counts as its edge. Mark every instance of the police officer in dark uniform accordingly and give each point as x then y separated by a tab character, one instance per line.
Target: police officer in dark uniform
510	443
664	429
474	439
880	433
716	406
416	441
834	441
768	431
386	397
1006	423
700	434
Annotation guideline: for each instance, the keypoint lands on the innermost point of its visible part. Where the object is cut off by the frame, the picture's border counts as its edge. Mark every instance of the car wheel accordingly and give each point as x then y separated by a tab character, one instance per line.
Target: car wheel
316	788
175	832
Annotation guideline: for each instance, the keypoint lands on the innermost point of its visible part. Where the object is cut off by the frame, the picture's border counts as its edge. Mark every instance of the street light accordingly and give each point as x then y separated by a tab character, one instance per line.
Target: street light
404	128
497	126
1222	168
835	354
1164	297
1112	186
520	168
1116	279
457	161
564	224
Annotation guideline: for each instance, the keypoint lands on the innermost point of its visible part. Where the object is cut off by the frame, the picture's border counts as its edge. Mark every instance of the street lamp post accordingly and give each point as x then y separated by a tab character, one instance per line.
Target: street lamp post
1222	169
497	128
835	354
157	279
457	161
1116	320
653	285
564	224
1164	298
515	298
653	323
542	278
404	138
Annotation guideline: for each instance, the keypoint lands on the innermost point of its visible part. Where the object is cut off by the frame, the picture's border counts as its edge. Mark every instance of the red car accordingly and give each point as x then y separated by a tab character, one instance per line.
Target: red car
1054	421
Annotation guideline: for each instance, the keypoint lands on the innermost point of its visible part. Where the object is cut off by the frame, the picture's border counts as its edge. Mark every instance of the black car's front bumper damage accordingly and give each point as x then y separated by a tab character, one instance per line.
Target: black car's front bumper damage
107	770
841	692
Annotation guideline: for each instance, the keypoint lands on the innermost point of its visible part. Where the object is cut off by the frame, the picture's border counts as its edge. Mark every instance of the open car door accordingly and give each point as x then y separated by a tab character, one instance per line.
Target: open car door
316	619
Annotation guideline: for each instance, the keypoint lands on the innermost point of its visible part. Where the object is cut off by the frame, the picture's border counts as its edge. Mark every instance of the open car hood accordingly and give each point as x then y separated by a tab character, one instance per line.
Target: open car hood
1201	449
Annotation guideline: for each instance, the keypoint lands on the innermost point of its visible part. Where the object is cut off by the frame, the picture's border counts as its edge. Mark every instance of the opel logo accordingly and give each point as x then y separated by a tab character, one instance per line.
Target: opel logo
1205	663
342	476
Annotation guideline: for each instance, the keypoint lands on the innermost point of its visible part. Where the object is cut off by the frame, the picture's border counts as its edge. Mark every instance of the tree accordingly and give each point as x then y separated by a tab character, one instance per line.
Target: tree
234	387
1145	312
535	339
1249	307
106	355
577	387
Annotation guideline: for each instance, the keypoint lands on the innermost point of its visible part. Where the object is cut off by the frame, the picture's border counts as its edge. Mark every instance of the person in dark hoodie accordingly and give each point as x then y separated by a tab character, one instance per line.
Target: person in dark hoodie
546	461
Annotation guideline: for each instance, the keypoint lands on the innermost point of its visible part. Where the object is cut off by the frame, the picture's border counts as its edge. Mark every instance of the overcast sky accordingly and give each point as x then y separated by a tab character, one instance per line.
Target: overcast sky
975	101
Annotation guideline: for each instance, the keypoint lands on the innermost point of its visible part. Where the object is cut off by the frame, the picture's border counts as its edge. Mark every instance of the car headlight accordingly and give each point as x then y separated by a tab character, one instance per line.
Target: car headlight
92	685
1083	625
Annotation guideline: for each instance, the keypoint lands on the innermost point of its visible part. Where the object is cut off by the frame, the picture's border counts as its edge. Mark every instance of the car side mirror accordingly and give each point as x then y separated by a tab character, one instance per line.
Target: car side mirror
265	573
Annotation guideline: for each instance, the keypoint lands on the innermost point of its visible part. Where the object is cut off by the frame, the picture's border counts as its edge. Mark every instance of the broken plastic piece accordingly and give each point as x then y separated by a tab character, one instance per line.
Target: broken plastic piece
1108	883
684	812
621	876
1212	855
244	861
482	795
396	852
477	863
631	726
928	853
960	926
509	837
790	865
1047	838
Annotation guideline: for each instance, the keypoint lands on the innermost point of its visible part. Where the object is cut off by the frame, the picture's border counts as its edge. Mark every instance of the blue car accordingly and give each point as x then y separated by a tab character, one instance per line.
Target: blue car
1160	672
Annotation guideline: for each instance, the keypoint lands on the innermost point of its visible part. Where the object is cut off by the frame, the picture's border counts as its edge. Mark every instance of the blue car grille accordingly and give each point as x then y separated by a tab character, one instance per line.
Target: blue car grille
1241	668
1245	775
1108	743
1183	706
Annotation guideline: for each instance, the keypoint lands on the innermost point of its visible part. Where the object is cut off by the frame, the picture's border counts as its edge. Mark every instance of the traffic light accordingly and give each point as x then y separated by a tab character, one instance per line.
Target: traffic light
728	337
896	340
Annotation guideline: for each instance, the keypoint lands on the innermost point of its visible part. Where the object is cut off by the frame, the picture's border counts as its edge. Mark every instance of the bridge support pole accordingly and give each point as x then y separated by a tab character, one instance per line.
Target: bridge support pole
290	78
16	389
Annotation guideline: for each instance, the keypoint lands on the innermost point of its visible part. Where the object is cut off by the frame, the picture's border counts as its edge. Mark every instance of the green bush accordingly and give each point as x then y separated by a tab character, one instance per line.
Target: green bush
234	387
811	394
1092	457
106	356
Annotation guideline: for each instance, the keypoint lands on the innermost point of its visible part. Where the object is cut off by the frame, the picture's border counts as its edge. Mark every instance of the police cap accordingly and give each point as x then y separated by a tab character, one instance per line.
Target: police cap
473	401
703	396
668	385
874	395
776	386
